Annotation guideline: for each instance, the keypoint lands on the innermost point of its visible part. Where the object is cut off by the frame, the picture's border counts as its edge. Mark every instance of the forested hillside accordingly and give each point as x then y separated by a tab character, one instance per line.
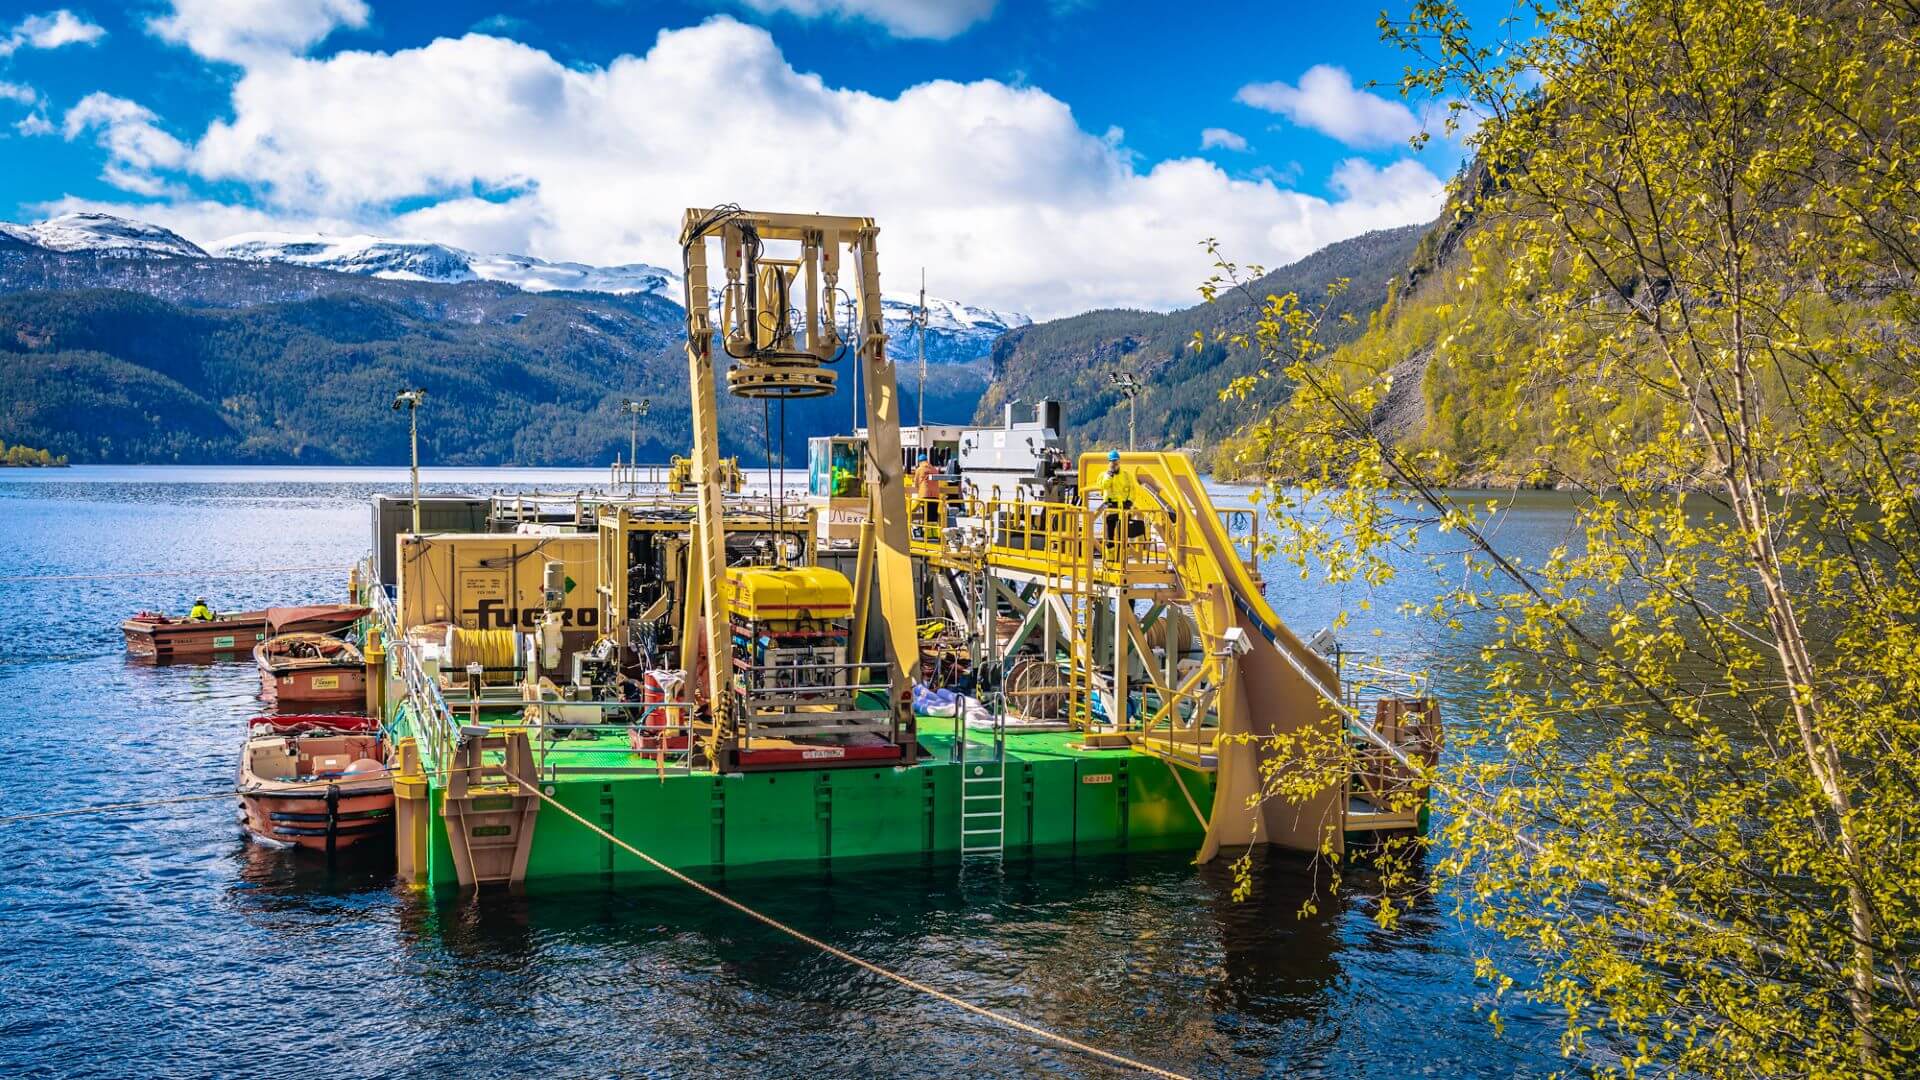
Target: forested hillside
131	344
1071	359
513	378
1449	367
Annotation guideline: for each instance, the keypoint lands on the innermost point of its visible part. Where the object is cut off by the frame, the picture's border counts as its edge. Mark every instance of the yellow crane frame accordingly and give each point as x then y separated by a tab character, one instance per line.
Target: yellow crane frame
784	360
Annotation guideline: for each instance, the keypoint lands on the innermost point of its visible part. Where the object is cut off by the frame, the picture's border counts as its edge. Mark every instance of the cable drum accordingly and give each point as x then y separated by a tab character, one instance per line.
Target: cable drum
1037	689
494	650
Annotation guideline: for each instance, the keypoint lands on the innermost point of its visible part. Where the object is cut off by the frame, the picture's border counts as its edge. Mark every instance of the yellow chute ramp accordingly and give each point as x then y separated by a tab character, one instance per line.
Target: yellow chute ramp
1275	690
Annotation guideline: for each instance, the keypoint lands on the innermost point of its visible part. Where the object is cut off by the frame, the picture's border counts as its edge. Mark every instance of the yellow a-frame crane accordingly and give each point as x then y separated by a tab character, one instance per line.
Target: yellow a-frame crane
780	348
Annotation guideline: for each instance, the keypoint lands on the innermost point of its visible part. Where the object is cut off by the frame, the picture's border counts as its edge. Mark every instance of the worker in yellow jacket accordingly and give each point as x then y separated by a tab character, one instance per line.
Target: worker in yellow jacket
1117	494
201	612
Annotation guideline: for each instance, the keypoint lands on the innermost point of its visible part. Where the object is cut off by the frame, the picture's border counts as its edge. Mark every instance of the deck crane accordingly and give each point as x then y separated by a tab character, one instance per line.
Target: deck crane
780	340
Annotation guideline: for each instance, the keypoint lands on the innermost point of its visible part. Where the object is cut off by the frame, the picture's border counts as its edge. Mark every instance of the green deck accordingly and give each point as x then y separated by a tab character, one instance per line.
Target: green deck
1059	799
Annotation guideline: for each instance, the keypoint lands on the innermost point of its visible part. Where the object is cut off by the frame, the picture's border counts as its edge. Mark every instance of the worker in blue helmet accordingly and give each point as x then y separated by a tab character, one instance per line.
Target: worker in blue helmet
1117	494
926	487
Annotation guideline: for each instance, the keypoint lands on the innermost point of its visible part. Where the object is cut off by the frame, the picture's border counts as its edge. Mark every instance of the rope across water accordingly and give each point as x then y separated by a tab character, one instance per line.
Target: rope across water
169	573
867	965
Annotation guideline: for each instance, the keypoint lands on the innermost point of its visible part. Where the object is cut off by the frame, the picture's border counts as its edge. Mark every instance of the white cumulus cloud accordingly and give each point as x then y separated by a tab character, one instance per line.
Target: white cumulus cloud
1327	101
490	144
251	31
937	19
137	149
20	92
1404	184
50	31
1222	139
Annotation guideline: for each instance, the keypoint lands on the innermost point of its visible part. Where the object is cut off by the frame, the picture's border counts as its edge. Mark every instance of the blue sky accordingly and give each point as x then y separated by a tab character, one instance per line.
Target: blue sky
1045	156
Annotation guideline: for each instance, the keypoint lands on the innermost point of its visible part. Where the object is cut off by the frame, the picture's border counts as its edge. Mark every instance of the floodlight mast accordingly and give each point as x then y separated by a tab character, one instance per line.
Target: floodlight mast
635	409
920	336
411	400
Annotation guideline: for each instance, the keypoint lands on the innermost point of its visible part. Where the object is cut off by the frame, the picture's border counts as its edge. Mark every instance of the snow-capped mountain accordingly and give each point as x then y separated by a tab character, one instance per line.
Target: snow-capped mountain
956	332
102	234
409	260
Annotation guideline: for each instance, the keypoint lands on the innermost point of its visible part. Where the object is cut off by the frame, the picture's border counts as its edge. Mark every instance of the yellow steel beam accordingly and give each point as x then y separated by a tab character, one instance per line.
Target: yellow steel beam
821	237
709	533
886	481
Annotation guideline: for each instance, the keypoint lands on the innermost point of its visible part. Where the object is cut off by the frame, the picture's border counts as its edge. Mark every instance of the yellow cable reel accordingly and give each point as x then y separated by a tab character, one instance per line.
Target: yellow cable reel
493	649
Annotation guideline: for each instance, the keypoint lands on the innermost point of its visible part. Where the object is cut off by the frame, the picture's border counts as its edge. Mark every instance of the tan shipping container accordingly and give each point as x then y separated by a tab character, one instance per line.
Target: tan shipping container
493	580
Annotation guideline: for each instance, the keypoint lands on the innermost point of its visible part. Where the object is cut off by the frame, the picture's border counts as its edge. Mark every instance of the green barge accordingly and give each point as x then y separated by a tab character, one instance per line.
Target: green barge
958	644
1063	765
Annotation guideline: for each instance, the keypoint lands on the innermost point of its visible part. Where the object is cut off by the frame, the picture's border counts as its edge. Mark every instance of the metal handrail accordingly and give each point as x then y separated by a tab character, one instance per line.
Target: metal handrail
835	688
661	759
1064	532
432	717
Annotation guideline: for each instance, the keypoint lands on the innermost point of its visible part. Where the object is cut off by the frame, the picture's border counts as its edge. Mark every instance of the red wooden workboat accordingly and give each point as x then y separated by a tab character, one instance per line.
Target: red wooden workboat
311	669
152	635
317	782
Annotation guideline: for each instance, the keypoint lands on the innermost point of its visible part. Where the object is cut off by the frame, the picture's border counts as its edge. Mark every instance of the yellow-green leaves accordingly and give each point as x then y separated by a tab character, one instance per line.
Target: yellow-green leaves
1681	285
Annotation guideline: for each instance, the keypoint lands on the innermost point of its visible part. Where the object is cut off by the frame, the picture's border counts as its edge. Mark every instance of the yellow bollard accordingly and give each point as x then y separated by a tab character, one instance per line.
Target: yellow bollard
412	814
376	658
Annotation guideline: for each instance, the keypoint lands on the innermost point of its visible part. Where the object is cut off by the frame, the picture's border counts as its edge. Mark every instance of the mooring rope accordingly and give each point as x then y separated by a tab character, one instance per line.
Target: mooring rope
169	573
841	954
108	808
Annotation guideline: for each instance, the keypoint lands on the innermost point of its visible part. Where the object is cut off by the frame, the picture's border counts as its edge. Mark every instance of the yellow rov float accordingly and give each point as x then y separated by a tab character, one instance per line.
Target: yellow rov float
698	674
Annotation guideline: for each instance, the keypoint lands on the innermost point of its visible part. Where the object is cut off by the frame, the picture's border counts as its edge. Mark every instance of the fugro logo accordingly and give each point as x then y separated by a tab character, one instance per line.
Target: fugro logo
496	615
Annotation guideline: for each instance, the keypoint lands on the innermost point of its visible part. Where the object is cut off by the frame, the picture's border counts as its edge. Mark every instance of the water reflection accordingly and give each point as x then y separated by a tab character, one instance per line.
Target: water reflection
267	877
1140	954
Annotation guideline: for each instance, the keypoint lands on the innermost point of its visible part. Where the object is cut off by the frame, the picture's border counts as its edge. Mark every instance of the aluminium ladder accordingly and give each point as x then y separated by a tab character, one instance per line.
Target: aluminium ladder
983	787
983	807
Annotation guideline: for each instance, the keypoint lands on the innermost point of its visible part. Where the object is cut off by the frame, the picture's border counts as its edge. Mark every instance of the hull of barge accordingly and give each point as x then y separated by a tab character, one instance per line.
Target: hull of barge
1058	800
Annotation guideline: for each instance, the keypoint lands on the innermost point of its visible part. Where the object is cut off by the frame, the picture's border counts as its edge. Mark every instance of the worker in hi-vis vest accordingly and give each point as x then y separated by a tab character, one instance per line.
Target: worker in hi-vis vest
201	612
926	484
1117	493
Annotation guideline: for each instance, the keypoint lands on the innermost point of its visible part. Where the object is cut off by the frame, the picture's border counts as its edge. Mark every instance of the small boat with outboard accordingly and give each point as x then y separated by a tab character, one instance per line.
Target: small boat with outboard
156	636
311	669
315	781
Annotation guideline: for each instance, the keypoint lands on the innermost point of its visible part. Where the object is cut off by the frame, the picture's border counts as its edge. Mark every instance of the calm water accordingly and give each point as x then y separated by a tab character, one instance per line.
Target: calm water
161	943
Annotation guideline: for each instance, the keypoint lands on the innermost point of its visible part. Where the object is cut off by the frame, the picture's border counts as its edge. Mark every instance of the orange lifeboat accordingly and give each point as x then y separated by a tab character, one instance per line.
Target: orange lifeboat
317	782
311	669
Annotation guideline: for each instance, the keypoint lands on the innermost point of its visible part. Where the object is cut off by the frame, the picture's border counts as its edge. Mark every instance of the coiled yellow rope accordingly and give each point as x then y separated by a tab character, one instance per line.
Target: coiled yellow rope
493	649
